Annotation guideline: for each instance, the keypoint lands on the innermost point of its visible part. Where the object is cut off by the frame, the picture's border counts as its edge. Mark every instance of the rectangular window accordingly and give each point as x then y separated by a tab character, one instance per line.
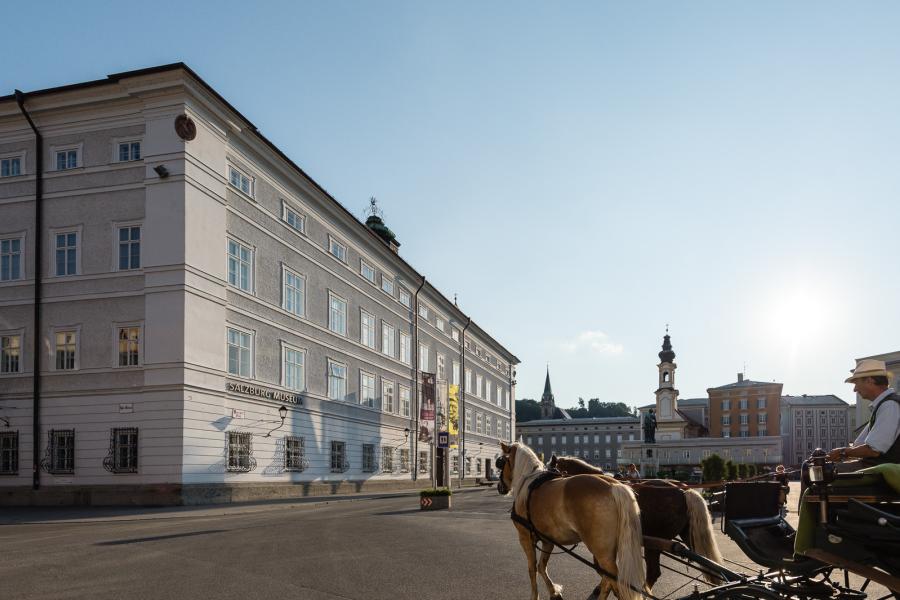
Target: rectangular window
387	396
367	270
423	358
404	401
293	293
439	323
66	253
479	386
405	355
726	404
339	462
66	347
441	368
123	450
129	151
761	402
239	353
479	423
66	159
129	346
454	464
293	218
488	385
455	374
726	419
405	298
293	365
762	432
423	461
294	453
239	451
367	329
9	452
742	404
10	353
468	465
367	389
468	381
240	181
129	247
62	451
337	381
387	339
11	259
11	166
337	249
240	266
387	285
404	460
387	459
762	418
745	419
455	334
368	458
488	425
337	314
423	311
469	414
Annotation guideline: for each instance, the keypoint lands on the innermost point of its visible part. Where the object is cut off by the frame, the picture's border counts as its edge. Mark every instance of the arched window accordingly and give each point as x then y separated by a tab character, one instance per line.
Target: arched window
665	376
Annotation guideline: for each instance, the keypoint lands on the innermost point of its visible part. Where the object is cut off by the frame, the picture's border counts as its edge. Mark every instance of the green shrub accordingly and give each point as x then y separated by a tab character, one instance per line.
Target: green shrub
731	471
713	468
428	492
751	471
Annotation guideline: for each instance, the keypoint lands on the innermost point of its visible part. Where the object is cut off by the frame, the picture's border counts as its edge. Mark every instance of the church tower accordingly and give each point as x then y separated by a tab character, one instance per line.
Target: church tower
548	406
670	424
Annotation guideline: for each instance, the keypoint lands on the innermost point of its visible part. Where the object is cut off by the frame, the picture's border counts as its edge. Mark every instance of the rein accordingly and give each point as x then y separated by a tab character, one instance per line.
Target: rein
536	535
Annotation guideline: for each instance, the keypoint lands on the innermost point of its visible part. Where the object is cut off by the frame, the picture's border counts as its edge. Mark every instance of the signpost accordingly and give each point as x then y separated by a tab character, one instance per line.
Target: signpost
443	439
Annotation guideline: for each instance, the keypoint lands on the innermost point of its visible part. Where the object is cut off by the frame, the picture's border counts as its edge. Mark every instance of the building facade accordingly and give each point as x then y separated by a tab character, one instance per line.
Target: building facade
744	409
810	422
209	324
598	440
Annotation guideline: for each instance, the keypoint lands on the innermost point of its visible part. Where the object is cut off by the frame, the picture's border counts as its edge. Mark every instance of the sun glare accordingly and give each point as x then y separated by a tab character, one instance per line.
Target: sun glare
798	317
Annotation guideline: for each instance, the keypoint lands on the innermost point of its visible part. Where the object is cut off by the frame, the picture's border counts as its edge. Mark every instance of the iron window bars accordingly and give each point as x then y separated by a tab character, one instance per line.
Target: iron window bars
123	451
339	463
240	452
295	454
369	464
9	453
60	456
387	459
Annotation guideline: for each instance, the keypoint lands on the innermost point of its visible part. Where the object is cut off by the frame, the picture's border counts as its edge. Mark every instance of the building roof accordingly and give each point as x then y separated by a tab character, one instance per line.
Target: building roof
806	399
585	421
693	402
547	391
667	354
746	383
117	77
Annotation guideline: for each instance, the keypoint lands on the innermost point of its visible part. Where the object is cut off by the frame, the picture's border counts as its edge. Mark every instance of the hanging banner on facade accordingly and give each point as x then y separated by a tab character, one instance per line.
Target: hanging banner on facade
426	408
453	415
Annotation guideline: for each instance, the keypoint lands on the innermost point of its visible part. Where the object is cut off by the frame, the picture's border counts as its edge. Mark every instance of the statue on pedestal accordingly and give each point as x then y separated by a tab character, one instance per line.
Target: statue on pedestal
650	427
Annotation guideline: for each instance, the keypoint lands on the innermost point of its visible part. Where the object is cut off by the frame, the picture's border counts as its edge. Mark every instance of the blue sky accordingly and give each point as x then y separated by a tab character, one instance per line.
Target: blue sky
580	174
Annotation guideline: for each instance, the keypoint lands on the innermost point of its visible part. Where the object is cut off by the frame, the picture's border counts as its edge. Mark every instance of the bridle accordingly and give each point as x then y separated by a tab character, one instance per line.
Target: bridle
500	463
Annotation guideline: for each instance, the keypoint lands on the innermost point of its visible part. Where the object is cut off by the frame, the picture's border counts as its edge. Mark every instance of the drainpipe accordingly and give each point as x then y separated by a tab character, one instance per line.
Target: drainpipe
462	400
36	333
415	457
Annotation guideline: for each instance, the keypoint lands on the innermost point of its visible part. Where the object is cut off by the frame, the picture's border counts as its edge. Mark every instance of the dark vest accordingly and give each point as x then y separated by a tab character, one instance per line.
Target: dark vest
893	453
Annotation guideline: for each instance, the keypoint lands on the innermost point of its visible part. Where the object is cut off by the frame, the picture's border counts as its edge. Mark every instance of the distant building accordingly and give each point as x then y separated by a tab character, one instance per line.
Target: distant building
810	422
744	409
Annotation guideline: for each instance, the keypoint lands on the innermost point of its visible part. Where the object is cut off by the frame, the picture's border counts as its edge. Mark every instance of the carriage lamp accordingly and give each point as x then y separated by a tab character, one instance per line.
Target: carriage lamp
282	412
406	434
820	469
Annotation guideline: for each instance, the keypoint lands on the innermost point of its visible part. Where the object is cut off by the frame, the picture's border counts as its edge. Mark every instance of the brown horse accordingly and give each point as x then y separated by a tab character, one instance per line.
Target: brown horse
601	513
668	509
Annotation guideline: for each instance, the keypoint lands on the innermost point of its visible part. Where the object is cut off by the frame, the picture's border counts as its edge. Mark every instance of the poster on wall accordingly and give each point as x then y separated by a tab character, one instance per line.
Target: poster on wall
453	415
426	408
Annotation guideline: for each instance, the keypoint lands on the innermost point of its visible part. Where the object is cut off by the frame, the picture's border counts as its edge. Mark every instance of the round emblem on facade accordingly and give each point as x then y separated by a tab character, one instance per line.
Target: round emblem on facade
185	127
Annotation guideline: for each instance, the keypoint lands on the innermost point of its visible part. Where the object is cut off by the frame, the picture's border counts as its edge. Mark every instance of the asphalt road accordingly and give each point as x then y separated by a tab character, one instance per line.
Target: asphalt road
365	548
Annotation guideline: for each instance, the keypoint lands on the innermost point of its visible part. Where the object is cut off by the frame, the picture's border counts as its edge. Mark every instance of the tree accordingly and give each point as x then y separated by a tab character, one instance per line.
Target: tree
751	470
713	468
580	402
742	471
730	470
527	410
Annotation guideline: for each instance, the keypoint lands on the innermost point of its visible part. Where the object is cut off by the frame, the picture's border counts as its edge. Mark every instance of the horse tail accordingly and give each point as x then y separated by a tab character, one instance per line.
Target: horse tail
702	541
630	565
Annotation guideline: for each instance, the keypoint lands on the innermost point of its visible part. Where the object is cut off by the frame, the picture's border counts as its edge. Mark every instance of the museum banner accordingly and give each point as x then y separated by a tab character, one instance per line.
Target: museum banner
426	408
453	415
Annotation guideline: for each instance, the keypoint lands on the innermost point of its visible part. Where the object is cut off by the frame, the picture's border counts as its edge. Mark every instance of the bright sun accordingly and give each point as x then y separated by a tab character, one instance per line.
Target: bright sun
797	316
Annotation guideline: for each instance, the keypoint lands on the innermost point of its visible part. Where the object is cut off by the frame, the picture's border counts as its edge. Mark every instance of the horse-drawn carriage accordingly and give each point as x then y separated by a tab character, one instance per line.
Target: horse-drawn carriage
850	524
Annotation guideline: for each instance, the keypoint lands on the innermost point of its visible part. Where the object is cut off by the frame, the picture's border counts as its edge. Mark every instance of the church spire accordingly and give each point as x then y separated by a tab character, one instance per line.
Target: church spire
667	355
548	406
547	391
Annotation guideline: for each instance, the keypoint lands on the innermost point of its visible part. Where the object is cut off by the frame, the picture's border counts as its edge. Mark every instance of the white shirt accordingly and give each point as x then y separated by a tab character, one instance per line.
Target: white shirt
887	425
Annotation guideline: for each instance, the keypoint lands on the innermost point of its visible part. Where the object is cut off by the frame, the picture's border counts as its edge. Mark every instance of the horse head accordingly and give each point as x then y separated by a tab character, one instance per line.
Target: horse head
504	466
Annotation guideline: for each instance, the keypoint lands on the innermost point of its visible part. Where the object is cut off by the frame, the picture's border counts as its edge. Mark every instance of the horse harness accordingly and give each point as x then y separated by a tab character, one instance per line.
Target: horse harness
549	475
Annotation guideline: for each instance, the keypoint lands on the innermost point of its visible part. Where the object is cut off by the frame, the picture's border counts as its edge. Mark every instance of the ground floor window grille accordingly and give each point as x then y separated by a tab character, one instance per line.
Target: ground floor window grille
123	451
368	458
294	453
339	462
423	462
60	457
240	452
404	460
9	453
454	464
387	459
468	465
478	467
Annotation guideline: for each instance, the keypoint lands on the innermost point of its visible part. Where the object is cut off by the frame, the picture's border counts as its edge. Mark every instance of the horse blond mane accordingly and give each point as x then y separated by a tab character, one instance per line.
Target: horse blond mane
526	464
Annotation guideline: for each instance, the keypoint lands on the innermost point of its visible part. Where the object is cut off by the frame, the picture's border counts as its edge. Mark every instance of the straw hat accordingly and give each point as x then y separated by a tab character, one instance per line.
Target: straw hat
868	367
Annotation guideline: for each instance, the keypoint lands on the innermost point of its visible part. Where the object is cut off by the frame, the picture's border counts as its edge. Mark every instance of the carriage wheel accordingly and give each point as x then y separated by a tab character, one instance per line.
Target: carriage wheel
751	591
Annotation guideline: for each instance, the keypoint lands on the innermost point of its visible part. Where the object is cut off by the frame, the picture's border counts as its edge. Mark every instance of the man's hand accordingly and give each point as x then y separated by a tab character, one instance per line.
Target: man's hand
838	454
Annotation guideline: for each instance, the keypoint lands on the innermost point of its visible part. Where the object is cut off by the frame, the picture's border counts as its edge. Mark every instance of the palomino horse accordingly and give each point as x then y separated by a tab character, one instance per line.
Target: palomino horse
667	510
601	513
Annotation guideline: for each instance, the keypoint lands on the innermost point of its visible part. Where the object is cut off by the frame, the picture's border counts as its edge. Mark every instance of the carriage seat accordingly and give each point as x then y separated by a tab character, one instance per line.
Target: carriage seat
753	520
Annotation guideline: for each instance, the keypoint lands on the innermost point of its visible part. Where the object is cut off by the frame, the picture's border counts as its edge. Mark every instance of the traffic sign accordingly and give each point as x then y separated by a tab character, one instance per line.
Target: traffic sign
443	439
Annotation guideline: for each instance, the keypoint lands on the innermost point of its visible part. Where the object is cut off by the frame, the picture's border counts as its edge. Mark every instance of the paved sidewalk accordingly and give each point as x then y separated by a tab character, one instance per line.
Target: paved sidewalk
34	515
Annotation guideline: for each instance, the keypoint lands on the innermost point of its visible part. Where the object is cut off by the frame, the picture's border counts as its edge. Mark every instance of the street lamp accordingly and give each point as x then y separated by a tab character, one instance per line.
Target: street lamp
282	412
406	434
